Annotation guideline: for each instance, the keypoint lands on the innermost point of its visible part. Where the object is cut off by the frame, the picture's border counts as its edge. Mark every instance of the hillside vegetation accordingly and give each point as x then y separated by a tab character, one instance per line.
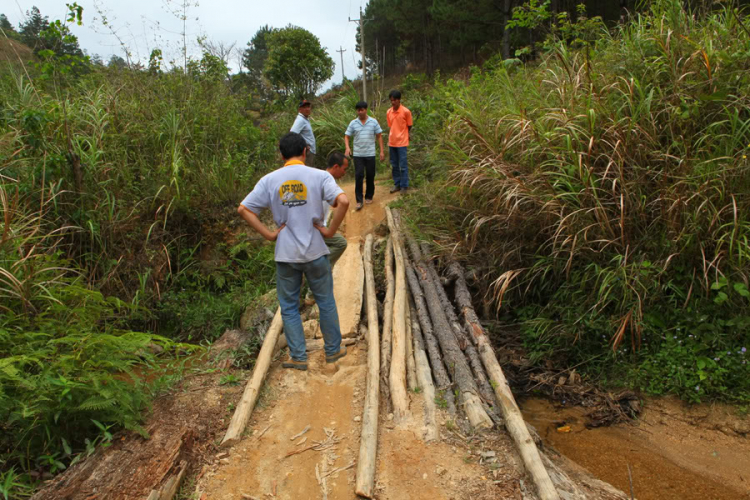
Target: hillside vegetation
596	187
602	196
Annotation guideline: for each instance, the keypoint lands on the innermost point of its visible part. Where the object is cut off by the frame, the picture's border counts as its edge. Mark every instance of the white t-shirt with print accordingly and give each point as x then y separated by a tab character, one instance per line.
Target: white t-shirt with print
295	194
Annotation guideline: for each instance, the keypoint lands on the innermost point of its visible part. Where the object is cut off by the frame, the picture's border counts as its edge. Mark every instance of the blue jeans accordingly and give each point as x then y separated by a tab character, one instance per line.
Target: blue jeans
399	166
320	281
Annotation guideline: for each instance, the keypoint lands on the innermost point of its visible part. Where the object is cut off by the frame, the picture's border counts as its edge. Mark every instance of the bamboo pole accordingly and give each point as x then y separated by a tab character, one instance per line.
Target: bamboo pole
397	378
369	439
252	389
513	419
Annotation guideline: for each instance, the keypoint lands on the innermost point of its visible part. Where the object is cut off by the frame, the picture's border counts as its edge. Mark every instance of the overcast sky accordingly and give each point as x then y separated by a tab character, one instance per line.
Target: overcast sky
147	24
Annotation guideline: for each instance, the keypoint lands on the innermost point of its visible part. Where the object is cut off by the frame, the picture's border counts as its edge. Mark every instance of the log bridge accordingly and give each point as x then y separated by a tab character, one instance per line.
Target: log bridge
428	341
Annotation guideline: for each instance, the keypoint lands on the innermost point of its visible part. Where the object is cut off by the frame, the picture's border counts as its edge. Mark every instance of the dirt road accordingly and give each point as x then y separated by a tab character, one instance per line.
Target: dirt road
320	463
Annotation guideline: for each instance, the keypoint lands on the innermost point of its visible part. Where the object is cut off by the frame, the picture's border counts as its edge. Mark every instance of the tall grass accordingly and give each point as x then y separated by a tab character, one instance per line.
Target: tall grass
112	185
607	189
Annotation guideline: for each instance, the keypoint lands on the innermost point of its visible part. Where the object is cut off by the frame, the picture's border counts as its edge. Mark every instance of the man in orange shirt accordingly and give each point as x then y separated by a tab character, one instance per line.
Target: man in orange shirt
400	123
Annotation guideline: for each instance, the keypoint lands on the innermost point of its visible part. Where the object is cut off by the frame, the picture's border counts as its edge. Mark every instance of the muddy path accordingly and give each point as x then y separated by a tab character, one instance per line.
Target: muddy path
329	399
675	451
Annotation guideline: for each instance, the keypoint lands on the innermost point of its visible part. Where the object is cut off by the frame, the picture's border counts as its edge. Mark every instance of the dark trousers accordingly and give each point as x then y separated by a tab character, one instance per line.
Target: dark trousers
364	169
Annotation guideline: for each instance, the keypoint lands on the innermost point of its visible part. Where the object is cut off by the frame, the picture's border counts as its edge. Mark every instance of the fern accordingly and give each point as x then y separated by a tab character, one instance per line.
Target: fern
97	403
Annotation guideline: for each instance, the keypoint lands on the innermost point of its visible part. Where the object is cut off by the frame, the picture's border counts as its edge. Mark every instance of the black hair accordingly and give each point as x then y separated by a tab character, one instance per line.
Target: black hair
395	94
336	158
361	105
291	145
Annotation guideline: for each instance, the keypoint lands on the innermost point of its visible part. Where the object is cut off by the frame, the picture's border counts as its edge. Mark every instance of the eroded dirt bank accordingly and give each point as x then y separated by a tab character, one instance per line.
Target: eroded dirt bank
675	451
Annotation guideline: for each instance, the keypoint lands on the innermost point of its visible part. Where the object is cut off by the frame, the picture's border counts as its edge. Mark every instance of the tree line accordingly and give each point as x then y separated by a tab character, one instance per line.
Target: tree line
428	35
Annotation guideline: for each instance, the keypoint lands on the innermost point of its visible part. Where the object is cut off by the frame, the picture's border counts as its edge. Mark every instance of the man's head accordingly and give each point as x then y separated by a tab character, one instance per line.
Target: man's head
337	164
305	107
361	108
395	97
292	145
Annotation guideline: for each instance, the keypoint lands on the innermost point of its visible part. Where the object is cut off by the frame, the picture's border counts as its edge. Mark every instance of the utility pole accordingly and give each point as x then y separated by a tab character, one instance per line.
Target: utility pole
341	51
361	21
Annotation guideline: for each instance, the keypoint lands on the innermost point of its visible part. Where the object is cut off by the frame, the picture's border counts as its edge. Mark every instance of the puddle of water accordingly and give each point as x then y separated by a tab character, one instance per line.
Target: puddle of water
661	469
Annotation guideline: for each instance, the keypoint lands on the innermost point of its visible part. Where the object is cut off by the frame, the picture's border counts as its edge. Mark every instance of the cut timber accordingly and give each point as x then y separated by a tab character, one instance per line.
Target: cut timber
438	368
466	345
142	465
368	445
348	284
169	489
424	377
513	419
452	354
397	377
385	343
250	396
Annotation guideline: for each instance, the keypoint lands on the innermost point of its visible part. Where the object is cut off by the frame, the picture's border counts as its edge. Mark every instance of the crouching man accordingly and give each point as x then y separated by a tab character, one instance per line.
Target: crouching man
295	194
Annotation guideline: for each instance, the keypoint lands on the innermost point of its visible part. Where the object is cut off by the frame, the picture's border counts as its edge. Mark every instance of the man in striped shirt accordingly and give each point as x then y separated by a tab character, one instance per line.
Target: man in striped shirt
364	130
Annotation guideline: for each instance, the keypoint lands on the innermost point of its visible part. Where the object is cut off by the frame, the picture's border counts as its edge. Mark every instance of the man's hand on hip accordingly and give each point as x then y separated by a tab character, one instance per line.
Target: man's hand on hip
325	231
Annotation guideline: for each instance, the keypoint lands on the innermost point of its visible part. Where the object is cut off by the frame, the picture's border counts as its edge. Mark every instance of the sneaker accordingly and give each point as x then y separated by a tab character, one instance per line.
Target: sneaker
338	355
359	206
293	363
395	189
368	202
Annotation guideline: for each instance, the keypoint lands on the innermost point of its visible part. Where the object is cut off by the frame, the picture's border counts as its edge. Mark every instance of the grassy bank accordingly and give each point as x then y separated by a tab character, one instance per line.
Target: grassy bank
601	195
119	240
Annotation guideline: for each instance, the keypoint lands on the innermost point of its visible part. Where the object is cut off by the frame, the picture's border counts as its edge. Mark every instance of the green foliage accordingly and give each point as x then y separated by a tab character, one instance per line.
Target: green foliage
218	290
296	64
113	182
605	186
254	61
8	29
229	379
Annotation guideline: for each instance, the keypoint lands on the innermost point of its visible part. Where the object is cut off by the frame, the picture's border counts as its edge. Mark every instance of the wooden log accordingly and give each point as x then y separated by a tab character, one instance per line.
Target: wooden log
424	377
385	343
169	489
466	345
513	419
397	377
454	357
252	389
369	438
411	367
445	387
144	465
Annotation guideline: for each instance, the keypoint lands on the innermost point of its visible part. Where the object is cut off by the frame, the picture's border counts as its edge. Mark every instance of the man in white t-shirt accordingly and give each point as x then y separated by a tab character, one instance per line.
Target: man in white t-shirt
295	194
